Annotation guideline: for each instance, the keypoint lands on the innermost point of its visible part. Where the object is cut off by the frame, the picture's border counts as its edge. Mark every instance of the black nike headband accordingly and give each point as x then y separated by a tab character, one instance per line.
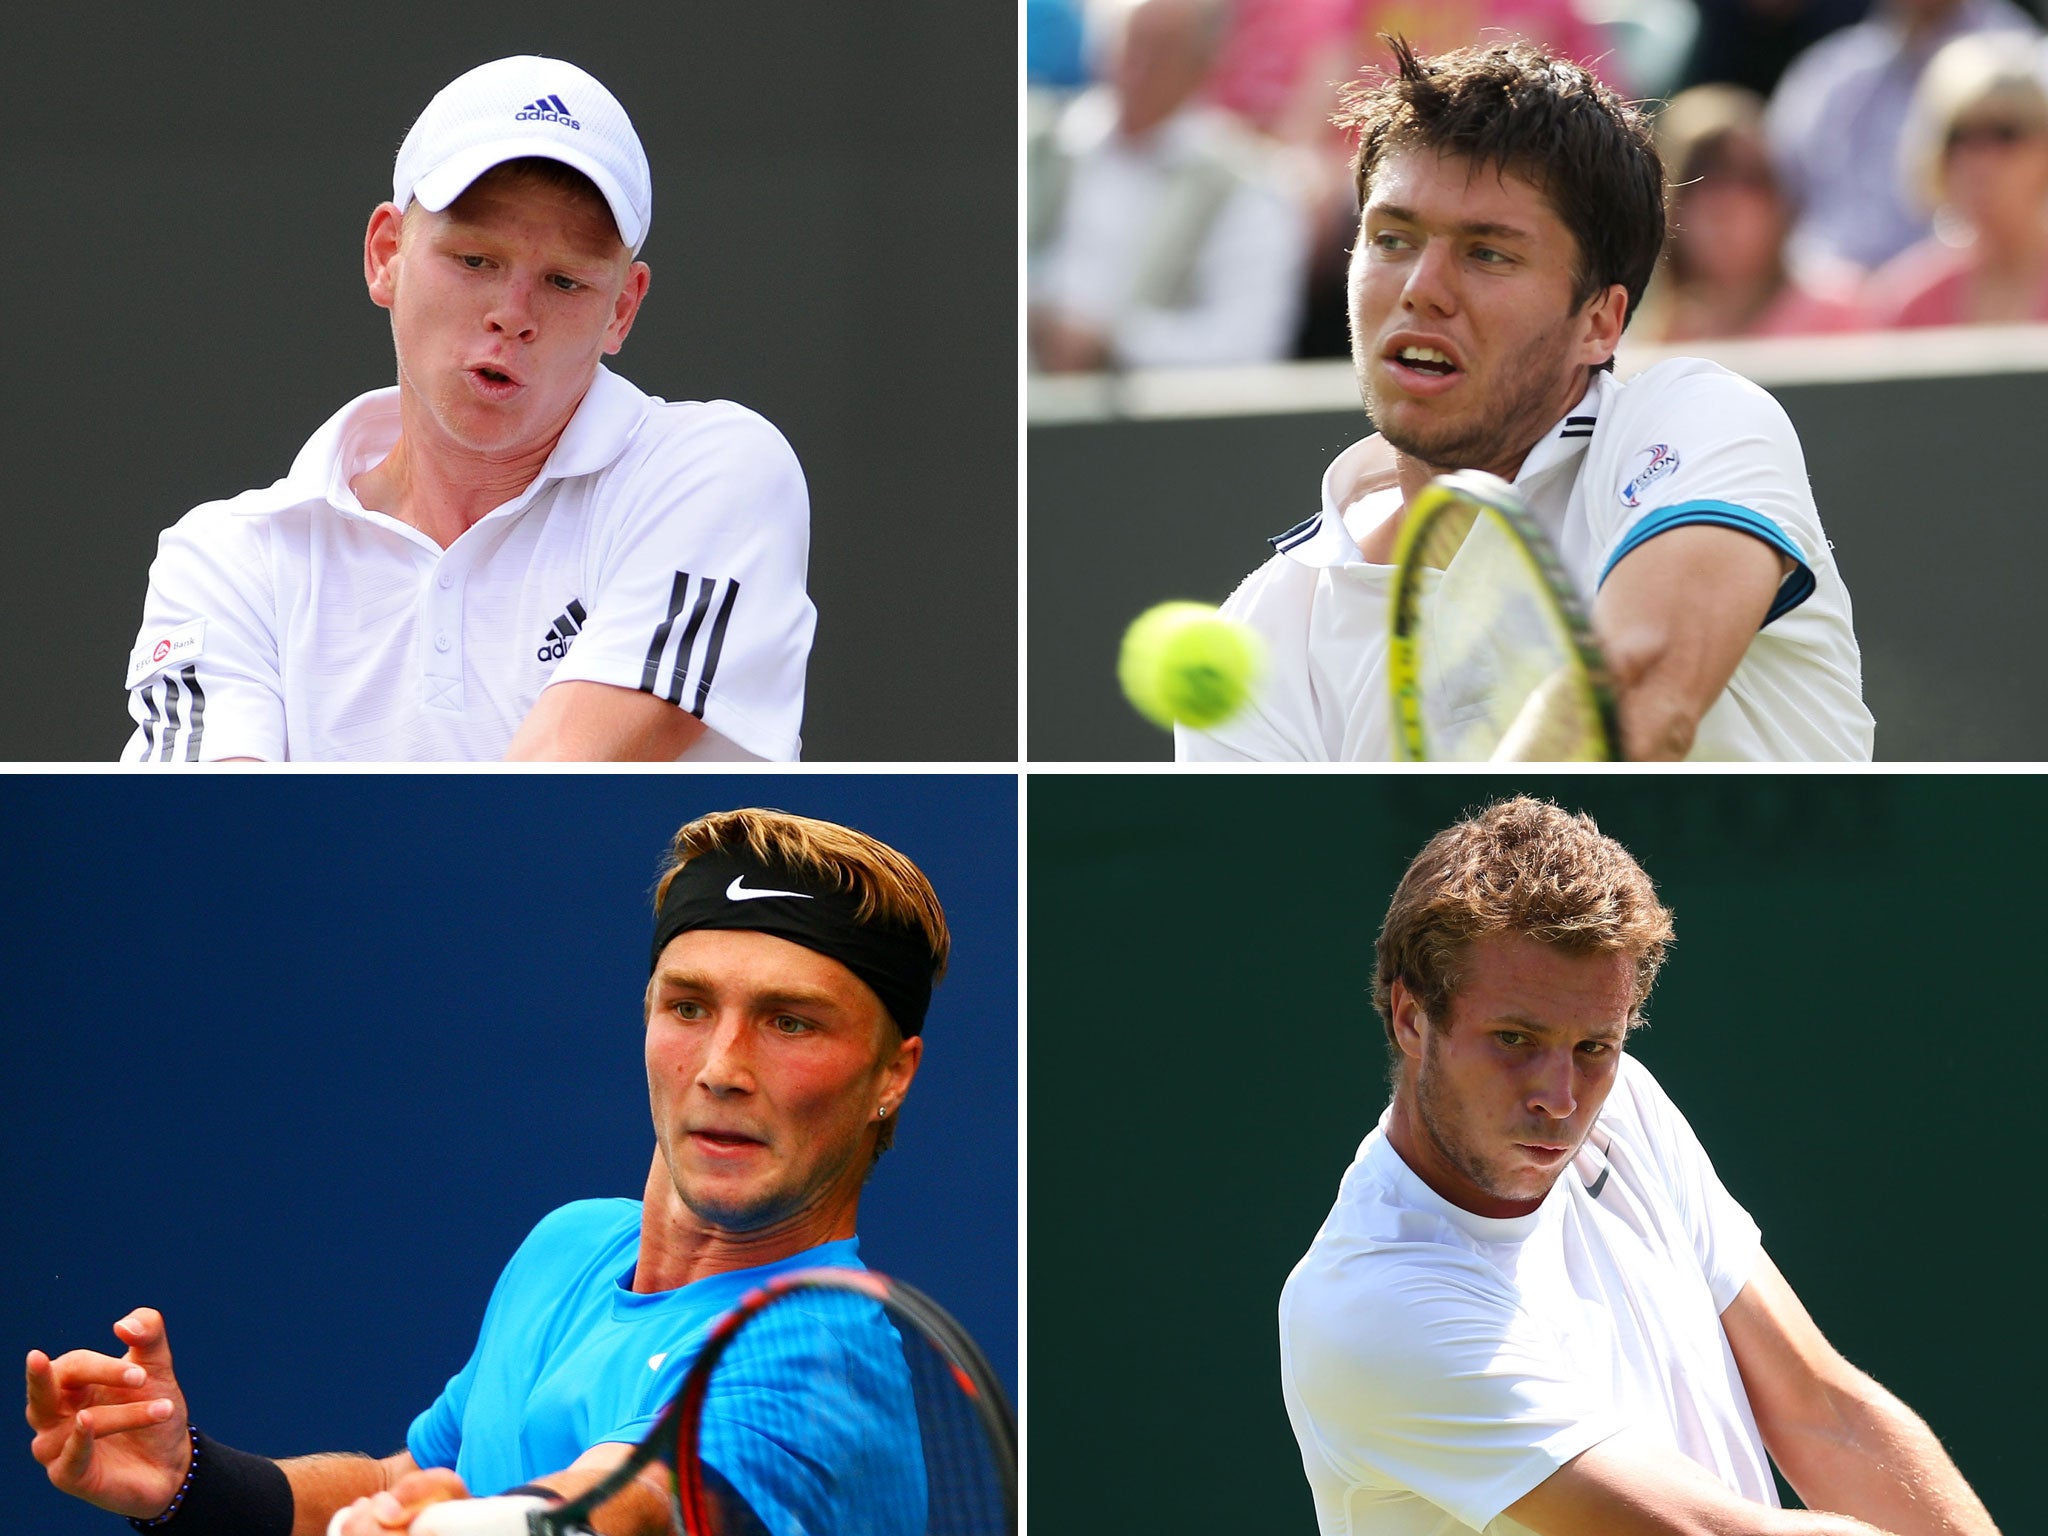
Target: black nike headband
719	890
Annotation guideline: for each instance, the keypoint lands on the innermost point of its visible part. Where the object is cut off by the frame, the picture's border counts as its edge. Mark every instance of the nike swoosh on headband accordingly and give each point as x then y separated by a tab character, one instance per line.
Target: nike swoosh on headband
739	891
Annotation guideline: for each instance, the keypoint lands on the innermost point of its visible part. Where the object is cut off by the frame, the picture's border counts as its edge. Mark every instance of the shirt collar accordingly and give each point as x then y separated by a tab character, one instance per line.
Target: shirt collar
1322	542
360	434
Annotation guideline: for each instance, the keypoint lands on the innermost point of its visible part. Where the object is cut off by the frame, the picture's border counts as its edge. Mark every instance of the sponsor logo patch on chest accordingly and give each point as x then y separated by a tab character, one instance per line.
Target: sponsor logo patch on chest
1655	462
562	633
166	649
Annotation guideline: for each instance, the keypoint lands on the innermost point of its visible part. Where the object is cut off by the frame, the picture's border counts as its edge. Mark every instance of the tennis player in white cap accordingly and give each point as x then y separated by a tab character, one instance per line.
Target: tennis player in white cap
514	552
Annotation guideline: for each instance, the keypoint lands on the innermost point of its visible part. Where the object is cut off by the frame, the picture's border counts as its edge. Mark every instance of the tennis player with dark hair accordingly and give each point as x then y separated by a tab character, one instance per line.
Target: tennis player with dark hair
514	552
792	964
1511	212
1534	1308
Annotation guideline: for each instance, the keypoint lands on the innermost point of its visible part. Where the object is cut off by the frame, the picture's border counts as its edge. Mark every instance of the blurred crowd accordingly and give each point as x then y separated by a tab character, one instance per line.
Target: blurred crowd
1834	165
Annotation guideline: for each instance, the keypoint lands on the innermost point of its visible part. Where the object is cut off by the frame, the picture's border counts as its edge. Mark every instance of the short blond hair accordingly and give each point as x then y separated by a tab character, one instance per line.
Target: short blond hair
886	886
1519	866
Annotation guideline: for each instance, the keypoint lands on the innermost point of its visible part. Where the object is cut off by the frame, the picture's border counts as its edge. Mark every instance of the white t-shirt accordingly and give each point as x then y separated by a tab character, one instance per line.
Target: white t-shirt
662	547
1438	1365
1683	442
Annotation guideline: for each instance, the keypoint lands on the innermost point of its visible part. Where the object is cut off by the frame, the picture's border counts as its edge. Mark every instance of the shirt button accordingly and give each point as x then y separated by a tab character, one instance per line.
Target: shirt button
447	580
441	641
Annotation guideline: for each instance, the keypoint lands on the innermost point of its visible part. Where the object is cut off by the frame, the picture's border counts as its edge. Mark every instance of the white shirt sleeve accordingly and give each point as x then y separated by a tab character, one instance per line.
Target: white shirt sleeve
1277	723
698	575
204	681
1711	448
1723	1235
1432	1378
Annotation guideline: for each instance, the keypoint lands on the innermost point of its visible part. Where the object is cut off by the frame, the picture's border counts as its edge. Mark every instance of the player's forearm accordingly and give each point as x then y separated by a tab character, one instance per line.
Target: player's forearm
324	1483
1877	1459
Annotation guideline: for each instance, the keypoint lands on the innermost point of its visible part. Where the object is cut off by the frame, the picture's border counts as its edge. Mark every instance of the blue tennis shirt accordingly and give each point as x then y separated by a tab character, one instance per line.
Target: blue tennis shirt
570	1357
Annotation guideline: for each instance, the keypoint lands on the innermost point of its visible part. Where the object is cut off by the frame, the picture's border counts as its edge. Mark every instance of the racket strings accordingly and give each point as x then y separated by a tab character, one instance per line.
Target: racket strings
1499	662
964	1491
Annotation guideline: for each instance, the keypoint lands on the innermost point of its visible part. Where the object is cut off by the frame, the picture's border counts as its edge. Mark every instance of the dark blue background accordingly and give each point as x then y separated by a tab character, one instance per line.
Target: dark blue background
299	1059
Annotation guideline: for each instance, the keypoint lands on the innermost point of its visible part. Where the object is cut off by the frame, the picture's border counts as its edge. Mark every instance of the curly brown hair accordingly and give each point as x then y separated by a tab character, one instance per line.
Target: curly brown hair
1545	120
1520	866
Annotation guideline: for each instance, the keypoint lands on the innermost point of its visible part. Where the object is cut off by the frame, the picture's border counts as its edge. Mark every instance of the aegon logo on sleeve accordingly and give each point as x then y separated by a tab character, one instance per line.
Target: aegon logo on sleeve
1662	460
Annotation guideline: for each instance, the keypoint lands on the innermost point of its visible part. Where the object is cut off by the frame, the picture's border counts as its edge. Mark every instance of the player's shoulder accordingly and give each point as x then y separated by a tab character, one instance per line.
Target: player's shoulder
582	1227
1689	398
694	430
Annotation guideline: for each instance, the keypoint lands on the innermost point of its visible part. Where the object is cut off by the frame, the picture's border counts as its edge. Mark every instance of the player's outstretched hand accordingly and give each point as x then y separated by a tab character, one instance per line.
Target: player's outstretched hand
112	1431
403	1506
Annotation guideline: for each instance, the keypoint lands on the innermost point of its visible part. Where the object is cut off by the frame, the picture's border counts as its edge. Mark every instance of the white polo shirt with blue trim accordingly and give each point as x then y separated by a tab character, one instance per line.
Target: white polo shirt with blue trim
1683	442
663	547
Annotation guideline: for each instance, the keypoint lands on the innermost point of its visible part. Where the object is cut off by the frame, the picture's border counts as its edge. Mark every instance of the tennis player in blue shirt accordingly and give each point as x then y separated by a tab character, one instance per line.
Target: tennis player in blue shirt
793	961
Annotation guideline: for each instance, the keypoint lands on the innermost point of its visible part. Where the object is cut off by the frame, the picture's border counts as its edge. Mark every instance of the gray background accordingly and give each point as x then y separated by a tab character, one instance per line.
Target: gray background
1849	1019
185	191
1928	488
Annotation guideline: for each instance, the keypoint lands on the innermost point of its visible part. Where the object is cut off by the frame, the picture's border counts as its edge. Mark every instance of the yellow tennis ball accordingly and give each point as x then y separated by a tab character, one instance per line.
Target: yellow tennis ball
1185	662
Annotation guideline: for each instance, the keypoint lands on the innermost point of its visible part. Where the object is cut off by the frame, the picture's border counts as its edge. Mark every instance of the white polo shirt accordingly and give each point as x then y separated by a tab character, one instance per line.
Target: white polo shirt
663	547
1438	1365
1685	441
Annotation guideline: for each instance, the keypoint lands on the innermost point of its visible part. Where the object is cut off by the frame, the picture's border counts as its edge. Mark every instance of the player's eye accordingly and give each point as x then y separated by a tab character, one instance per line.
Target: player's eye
1597	1047
1390	240
1486	255
790	1024
474	263
1510	1036
566	284
689	1008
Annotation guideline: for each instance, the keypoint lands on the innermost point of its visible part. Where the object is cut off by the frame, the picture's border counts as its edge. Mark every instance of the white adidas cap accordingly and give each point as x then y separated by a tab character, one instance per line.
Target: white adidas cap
512	108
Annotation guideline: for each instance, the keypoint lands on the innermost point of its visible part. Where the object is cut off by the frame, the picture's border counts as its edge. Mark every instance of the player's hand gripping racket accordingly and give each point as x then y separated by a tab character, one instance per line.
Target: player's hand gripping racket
941	1461
1490	657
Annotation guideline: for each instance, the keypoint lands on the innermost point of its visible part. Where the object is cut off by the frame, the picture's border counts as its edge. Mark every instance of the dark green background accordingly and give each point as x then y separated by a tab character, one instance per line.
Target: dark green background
1850	1019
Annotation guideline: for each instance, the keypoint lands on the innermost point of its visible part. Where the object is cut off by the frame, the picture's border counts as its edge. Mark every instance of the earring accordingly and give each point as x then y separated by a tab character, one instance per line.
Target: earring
882	1113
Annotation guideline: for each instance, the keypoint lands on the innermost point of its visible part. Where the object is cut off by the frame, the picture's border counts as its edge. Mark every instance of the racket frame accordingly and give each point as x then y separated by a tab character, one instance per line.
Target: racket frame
1487	494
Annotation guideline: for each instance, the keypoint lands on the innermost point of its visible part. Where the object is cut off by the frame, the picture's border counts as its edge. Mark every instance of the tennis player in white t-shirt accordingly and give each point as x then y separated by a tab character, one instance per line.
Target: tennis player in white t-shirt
1512	212
1534	1308
514	552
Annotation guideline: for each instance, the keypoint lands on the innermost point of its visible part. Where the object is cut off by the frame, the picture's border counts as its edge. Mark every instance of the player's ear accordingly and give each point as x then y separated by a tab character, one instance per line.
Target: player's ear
1407	1017
901	1067
1604	316
627	306
380	253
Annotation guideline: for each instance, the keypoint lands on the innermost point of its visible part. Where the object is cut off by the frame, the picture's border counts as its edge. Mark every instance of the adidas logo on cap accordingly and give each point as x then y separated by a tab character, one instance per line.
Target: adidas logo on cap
564	630
549	109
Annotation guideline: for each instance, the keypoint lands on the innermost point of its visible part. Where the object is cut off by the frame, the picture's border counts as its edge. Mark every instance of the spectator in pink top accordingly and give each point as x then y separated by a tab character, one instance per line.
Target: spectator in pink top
1724	270
1975	151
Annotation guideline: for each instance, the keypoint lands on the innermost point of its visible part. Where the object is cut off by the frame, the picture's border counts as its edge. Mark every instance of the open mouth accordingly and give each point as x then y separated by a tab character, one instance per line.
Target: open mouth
494	376
1426	360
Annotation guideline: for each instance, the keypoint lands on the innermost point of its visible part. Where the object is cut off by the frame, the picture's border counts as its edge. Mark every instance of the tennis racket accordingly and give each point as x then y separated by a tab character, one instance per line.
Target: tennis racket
930	1443
1490	656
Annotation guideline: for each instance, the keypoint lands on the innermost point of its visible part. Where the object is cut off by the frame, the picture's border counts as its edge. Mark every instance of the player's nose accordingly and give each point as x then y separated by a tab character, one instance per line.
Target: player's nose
1431	286
1551	1089
727	1066
512	313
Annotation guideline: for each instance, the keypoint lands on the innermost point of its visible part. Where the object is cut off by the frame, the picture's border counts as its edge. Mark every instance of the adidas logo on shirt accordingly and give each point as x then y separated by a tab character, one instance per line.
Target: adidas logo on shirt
565	629
549	109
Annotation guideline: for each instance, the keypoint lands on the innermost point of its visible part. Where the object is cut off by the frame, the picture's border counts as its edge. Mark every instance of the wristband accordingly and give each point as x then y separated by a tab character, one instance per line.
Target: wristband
226	1492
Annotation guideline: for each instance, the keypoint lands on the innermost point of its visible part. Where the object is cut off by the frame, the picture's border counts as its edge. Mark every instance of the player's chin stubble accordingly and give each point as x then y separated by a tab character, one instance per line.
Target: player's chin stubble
1494	434
1441	1115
